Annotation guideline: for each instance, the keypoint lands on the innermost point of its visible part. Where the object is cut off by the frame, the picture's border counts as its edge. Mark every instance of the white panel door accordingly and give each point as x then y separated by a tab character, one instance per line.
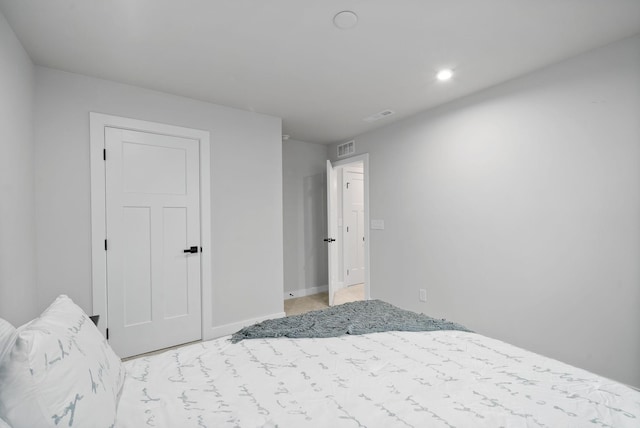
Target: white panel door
153	217
353	227
332	226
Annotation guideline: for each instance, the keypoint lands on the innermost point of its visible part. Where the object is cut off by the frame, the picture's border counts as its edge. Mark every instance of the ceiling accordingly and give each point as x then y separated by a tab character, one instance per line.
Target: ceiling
286	58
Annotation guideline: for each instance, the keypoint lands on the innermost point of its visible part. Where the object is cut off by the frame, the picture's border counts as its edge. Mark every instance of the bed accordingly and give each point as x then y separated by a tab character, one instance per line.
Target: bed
409	379
445	378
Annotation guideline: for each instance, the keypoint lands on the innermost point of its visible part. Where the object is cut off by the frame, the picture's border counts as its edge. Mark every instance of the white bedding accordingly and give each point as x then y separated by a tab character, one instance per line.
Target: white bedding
395	379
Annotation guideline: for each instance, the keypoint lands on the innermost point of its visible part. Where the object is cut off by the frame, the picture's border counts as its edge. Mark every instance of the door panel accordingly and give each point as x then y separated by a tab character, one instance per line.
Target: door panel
353	206
152	214
151	169
136	275
174	264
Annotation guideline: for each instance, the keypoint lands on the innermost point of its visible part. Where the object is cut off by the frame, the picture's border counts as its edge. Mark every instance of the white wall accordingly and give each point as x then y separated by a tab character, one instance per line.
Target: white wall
518	209
18	291
246	188
304	216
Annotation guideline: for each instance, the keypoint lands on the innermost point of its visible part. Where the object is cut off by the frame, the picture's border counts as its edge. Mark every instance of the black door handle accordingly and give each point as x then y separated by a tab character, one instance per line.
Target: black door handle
191	250
329	240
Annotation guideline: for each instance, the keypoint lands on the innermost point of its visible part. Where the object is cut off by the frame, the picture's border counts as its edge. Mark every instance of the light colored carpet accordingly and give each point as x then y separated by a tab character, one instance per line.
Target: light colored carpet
353	293
301	305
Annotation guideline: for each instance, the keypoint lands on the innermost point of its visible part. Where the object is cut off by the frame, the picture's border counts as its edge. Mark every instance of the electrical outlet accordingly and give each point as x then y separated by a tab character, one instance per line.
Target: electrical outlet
423	295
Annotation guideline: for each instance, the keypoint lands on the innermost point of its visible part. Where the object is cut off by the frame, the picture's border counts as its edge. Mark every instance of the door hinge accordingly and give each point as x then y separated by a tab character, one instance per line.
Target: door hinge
347	228
105	245
104	154
347	184
107	334
347	272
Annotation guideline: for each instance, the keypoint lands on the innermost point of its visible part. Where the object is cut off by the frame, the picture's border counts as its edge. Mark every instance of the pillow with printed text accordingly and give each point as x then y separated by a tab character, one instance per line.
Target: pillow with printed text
60	372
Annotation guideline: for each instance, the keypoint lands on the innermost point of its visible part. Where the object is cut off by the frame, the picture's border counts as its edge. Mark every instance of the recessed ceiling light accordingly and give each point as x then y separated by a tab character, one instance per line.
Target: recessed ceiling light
345	20
444	74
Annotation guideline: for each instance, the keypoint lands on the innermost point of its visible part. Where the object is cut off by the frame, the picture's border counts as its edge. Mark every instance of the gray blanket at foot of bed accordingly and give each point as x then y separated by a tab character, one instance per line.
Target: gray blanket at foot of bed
367	316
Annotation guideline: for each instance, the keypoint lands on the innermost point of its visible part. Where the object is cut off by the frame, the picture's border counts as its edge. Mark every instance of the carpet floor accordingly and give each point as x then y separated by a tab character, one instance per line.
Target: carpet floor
301	305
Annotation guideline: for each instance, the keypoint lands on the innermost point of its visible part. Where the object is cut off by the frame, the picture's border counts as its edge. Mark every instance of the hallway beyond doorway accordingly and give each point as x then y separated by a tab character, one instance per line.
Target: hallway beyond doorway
301	305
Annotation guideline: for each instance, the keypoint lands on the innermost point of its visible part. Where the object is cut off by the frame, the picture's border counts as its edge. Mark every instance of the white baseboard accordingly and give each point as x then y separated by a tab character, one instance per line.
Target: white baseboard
305	292
226	329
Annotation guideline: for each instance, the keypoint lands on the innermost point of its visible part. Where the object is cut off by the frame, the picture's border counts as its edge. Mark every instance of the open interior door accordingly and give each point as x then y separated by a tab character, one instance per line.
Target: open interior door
332	228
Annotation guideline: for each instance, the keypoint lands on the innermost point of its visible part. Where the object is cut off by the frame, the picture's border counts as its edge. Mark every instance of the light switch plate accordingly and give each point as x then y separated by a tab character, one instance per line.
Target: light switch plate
377	224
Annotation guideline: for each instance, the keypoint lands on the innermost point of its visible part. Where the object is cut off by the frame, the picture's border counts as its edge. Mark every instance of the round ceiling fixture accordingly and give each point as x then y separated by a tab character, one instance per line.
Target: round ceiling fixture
345	20
444	74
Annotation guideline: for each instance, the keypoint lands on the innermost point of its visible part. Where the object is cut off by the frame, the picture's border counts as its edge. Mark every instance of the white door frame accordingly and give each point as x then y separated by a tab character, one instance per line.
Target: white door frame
364	159
97	123
332	227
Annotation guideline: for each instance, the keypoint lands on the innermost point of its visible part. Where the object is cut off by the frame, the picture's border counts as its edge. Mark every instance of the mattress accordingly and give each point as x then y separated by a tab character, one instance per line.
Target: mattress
392	379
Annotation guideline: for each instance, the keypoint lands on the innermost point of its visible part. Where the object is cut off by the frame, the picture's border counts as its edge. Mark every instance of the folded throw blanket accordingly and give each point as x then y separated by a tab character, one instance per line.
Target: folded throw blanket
362	317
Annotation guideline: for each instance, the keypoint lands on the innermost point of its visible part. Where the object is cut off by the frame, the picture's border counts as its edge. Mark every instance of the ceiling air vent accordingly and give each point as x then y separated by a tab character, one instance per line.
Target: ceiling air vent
378	116
346	149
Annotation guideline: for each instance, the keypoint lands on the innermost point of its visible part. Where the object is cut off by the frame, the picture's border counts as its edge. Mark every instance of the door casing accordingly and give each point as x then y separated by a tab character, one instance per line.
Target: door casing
97	123
332	220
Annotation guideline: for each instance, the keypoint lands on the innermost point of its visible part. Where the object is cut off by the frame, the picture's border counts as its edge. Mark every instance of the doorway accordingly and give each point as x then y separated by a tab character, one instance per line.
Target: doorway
150	223
348	234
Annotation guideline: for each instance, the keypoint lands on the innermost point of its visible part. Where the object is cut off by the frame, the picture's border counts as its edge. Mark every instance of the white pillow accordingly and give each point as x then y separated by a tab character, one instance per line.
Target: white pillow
7	337
61	372
3	424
